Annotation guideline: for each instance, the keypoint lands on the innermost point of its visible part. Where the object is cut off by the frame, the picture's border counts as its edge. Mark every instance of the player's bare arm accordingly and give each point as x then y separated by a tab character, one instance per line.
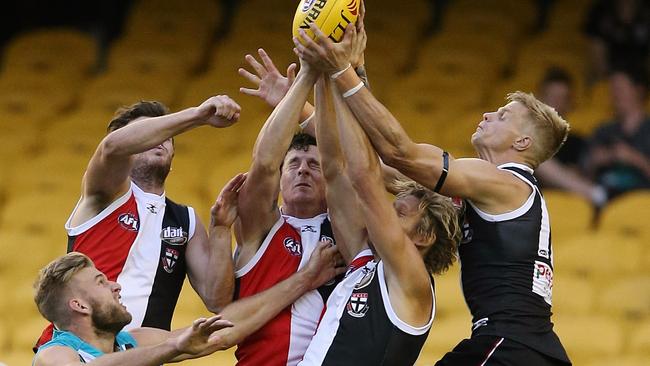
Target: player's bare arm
475	179
342	204
257	205
155	347
209	257
107	174
406	275
250	313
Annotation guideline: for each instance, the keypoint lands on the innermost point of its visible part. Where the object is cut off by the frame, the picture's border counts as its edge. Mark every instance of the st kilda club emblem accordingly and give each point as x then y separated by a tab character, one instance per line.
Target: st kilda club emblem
358	304
170	259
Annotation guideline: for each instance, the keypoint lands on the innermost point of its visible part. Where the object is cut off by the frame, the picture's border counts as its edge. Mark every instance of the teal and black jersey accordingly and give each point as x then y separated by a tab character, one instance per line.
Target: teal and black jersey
87	353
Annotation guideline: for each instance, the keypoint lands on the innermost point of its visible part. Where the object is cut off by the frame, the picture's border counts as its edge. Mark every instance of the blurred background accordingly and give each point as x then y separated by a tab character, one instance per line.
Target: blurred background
436	64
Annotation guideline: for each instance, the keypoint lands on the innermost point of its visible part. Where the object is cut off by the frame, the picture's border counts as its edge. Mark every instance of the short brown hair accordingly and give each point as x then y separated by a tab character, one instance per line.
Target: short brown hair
143	108
439	218
550	129
51	285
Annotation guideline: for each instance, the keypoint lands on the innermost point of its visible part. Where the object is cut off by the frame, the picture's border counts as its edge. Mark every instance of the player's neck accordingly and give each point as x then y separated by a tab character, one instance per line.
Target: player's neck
150	186
303	210
103	341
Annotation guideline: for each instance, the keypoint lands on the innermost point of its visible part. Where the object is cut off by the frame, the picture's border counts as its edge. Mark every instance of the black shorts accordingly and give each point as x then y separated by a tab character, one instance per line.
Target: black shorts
492	350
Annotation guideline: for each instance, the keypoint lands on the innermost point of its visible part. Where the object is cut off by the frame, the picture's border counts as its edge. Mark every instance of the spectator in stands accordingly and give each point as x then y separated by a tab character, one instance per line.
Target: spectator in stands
619	33
563	170
619	150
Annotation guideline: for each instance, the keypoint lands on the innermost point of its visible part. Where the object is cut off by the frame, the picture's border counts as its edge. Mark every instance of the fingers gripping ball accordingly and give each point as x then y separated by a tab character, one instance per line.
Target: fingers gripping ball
331	16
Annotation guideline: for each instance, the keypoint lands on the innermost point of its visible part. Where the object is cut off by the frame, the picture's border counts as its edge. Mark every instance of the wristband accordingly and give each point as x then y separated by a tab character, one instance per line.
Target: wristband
339	73
353	91
443	174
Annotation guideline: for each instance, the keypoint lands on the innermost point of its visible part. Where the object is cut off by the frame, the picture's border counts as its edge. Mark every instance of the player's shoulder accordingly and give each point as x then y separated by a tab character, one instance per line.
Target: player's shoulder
55	354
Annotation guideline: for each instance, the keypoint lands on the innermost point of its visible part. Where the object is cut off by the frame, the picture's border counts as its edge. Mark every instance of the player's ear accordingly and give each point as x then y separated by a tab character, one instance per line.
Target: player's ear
78	305
522	143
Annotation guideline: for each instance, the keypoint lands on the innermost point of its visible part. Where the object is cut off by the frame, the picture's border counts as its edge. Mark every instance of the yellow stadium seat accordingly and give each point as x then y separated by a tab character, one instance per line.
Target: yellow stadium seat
449	296
45	54
585	119
444	335
570	214
622	360
587	336
107	93
640	338
593	254
627	215
572	294
628	296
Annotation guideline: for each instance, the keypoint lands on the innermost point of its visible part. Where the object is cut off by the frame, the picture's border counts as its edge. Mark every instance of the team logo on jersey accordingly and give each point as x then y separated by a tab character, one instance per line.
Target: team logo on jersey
170	259
358	304
292	246
173	235
152	208
308	229
327	239
368	275
129	221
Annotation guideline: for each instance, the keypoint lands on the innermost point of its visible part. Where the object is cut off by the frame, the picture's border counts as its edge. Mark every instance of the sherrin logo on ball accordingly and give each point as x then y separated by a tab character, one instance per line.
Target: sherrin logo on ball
331	16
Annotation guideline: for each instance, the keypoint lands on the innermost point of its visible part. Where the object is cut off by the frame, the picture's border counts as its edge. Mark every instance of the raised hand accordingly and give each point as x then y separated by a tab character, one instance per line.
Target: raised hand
219	111
200	336
324	264
323	54
272	86
224	210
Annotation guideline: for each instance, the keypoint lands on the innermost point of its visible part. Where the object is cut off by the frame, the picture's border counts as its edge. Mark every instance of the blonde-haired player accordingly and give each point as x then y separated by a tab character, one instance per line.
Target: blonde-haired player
506	253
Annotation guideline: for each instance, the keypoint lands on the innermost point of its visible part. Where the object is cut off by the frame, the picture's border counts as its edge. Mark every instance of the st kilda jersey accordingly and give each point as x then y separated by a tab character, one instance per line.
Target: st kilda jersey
360	326
286	248
140	242
507	271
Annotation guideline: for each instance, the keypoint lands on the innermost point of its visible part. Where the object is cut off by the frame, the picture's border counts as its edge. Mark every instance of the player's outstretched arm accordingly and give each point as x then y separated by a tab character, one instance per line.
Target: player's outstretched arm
250	313
406	275
155	347
475	179
107	173
209	257
257	203
341	198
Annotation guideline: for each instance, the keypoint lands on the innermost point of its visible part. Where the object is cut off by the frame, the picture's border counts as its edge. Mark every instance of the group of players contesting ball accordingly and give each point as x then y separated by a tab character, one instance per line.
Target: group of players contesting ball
337	275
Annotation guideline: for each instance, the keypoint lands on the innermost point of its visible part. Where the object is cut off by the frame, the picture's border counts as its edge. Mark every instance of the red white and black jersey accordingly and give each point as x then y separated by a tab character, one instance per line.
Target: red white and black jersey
140	241
360	326
285	250
507	271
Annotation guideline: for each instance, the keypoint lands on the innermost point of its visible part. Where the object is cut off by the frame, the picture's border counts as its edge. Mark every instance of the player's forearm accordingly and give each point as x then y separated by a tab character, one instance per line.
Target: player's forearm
276	134
219	281
145	134
251	313
329	147
360	157
139	356
386	134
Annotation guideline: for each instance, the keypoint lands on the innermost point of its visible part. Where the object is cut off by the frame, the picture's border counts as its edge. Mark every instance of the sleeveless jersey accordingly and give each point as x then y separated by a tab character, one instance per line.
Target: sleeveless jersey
286	249
360	326
507	271
87	353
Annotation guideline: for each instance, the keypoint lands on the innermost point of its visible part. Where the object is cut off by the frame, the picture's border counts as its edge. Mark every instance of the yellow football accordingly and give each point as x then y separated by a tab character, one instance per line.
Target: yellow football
331	16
